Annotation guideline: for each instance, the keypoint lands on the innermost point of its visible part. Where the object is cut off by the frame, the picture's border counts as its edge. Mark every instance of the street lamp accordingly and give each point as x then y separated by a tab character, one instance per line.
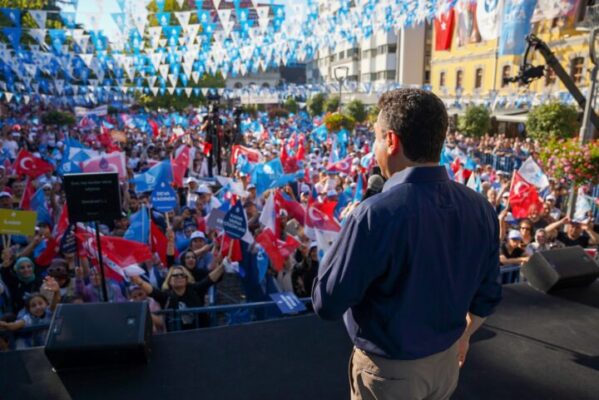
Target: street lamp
340	75
590	24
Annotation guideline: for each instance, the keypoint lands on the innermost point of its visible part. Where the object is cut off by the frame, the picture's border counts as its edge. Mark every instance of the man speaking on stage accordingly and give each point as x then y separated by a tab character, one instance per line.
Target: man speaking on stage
414	270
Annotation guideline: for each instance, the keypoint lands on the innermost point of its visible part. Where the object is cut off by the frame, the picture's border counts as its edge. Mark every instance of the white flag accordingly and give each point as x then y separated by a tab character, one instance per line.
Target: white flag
532	173
488	15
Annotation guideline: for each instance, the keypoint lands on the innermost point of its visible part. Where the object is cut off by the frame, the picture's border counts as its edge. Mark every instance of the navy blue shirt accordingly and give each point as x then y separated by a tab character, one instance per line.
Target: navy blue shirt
409	264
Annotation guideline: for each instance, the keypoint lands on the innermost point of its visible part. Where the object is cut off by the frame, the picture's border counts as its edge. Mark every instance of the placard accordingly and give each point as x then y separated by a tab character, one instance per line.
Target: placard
234	223
13	222
164	198
288	302
93	197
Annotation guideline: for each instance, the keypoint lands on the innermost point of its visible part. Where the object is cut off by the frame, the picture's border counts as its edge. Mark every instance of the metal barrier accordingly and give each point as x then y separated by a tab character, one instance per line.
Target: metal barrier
229	314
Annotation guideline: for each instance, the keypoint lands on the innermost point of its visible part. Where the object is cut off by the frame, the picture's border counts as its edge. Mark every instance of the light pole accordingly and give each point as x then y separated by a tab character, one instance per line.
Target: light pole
590	23
340	75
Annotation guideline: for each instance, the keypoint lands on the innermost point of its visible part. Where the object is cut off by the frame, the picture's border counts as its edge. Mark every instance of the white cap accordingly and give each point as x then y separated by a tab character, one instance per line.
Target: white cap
550	197
5	194
251	186
197	235
189	180
203	189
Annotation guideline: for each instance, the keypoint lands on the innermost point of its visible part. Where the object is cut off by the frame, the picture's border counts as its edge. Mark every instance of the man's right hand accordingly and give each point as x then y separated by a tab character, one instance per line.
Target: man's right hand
463	346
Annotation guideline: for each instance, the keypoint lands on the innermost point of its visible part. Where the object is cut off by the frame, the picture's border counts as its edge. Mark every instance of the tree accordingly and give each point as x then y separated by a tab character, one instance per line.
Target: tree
60	118
357	110
373	114
316	104
476	121
552	121
332	104
291	105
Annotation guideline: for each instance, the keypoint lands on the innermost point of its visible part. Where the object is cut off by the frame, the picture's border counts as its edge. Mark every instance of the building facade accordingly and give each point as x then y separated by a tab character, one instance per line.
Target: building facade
473	73
373	64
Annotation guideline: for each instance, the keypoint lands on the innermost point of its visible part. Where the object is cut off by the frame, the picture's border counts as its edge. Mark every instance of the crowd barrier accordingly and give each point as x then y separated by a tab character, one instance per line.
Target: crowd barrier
236	314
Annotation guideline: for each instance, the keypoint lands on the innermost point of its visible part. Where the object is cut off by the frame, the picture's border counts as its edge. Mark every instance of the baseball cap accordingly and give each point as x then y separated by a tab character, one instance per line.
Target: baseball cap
550	197
514	235
5	194
197	235
251	186
203	189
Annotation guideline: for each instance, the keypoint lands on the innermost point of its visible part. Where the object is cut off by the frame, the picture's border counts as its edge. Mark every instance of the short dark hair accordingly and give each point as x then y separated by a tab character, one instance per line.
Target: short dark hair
419	118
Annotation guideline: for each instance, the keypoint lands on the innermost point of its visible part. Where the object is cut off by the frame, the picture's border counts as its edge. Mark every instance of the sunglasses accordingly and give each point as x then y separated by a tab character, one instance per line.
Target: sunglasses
178	276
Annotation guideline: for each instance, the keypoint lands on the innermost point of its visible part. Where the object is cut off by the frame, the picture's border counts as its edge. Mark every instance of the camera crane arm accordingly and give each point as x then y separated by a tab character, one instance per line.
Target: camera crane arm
529	72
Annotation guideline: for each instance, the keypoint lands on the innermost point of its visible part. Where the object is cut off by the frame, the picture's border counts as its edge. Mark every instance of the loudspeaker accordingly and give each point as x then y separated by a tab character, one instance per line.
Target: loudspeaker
96	334
560	268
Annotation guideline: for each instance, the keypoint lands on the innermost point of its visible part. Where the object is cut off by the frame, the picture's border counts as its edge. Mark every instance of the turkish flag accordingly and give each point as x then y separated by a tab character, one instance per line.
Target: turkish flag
236	254
159	241
278	251
524	197
293	208
154	126
27	195
251	154
180	164
343	166
301	152
444	31
317	219
31	166
206	148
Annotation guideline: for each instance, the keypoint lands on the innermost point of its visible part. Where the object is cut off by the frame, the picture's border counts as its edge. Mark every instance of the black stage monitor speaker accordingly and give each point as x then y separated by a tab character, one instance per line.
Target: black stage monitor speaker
560	268
96	334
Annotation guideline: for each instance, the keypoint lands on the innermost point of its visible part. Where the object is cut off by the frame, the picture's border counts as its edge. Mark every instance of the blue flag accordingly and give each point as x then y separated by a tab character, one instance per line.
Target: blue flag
265	174
38	204
139	230
515	25
359	188
147	181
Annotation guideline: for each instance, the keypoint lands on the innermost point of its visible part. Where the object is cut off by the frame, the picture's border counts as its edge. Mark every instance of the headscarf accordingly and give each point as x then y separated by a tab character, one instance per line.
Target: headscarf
18	263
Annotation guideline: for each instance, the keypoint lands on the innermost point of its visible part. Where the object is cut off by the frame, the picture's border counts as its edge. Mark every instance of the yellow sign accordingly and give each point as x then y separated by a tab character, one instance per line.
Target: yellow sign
13	222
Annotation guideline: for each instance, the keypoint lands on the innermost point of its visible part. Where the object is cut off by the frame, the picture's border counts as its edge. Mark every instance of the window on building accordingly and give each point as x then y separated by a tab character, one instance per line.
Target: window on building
365	53
478	78
442	79
550	76
576	67
390	74
341	55
352	78
506	72
382	49
459	79
332	58
373	53
392	48
373	76
365	77
427	76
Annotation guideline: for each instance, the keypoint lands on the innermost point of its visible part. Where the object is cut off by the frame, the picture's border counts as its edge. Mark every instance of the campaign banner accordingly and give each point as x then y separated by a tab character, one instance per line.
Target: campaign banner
515	26
13	222
164	198
288	303
235	223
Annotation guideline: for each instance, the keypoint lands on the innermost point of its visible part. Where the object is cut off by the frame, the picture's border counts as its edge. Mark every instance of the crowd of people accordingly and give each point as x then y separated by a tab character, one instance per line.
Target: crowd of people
230	157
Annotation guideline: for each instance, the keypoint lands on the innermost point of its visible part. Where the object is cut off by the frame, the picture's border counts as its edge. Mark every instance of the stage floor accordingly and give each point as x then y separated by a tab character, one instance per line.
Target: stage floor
535	347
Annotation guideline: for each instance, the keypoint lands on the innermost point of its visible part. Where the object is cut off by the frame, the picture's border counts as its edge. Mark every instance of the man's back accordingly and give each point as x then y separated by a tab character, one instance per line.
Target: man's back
419	254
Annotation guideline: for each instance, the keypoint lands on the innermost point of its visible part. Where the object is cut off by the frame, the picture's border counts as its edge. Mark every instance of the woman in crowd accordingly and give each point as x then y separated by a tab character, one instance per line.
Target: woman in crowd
38	311
92	292
21	280
181	291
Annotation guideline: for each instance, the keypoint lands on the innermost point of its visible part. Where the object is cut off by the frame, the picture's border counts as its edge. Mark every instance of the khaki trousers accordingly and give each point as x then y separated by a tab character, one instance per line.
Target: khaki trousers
432	378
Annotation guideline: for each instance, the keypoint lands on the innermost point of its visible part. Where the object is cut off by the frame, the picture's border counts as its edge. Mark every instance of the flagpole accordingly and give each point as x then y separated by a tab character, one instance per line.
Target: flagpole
101	262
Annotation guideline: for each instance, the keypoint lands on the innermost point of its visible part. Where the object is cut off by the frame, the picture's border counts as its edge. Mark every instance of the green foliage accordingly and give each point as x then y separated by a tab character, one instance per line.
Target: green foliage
168	101
373	114
332	104
476	121
291	105
552	121
59	118
334	122
250	109
278	112
357	110
315	104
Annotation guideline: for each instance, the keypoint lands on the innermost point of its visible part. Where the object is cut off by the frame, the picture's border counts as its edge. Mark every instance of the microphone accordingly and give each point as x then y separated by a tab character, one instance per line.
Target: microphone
375	186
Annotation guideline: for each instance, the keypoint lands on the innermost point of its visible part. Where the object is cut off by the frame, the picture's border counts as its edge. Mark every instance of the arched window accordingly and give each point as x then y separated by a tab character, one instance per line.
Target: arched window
506	72
478	78
459	79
